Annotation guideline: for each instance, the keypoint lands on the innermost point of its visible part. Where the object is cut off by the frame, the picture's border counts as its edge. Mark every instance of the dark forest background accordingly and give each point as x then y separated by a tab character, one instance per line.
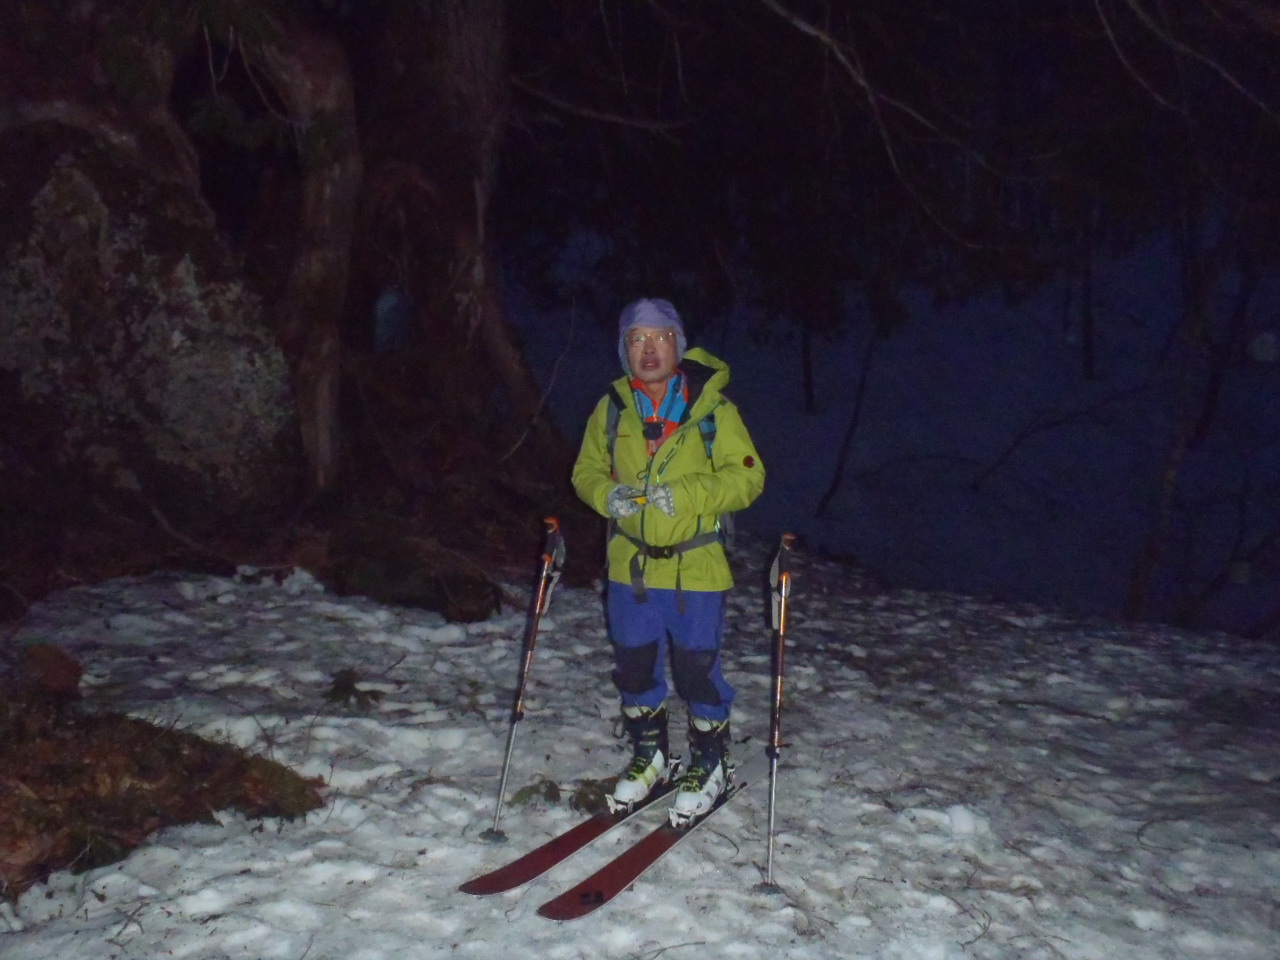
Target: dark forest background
259	256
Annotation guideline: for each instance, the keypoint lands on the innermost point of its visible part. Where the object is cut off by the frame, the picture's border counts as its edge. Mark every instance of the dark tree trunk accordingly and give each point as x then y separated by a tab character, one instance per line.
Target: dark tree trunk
1088	318
474	47
1156	544
855	416
806	368
311	75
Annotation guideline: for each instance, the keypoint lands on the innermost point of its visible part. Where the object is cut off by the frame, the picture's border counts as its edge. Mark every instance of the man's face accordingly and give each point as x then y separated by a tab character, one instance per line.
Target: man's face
651	351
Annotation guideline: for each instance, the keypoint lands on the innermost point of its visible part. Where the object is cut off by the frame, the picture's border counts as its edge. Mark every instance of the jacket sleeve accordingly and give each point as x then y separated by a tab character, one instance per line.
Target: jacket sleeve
738	474
592	471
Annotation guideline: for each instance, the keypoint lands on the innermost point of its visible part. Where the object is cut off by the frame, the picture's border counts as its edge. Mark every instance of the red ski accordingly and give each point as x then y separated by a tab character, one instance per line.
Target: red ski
626	868
556	850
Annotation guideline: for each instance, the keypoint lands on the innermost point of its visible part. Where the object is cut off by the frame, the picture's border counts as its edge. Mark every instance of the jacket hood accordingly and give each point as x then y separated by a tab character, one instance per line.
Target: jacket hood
706	375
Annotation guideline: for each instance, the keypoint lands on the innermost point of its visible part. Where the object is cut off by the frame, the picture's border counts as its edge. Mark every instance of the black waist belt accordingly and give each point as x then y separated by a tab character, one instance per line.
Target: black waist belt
655	552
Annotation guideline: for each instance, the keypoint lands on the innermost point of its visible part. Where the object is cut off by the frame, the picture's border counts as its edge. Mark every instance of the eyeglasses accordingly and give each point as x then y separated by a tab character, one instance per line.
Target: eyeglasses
662	336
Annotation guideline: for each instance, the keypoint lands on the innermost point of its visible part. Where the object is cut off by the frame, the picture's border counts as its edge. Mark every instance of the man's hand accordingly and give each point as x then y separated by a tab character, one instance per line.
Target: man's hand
662	498
623	501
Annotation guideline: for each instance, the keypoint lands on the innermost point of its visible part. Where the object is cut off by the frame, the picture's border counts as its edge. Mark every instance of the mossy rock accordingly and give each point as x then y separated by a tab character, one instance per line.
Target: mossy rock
375	562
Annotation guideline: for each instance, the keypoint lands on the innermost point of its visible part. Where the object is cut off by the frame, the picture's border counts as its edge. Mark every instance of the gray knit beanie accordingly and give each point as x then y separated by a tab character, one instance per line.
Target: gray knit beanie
649	313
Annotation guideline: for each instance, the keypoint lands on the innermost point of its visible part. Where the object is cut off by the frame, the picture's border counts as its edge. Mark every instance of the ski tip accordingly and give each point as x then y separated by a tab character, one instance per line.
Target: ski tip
500	881
564	912
576	903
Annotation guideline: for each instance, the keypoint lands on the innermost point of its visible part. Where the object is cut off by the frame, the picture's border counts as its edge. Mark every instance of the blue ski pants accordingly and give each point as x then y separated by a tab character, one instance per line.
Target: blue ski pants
646	635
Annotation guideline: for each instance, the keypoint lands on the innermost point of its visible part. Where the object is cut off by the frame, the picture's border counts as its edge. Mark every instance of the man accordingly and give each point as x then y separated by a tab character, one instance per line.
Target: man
665	456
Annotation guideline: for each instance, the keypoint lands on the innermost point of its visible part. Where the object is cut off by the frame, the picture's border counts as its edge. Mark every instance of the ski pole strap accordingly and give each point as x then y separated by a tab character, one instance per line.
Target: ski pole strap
775	594
552	559
781	584
554	542
654	552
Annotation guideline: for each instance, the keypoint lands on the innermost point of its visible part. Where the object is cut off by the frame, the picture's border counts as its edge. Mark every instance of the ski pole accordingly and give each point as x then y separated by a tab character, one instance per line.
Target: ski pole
552	561
780	576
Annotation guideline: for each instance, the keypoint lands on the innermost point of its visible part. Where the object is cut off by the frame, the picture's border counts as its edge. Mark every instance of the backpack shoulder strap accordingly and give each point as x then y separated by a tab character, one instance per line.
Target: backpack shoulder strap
707	425
614	413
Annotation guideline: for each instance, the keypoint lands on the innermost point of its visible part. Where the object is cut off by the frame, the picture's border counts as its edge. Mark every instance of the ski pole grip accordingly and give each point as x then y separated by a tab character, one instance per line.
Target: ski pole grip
780	577
553	550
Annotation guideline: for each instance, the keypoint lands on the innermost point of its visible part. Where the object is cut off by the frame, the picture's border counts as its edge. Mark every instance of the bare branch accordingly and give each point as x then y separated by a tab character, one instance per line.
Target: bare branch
1263	16
1174	43
655	126
1042	423
551	382
858	75
1124	60
875	98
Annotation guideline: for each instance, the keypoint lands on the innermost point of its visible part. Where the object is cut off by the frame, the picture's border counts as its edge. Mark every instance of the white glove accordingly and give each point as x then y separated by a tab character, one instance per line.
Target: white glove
623	501
662	498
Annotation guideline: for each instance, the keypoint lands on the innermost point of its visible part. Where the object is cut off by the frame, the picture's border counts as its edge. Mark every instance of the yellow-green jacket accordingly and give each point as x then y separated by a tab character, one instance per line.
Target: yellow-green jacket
703	489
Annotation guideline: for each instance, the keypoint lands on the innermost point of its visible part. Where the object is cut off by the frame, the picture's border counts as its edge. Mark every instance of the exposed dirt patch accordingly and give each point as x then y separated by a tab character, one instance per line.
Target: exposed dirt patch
79	790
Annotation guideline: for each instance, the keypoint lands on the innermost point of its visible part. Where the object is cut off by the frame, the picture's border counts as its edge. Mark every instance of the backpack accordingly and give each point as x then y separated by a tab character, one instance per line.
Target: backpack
706	426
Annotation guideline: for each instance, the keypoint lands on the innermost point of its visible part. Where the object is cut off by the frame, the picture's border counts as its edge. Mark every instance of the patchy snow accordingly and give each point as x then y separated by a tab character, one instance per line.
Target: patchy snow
963	780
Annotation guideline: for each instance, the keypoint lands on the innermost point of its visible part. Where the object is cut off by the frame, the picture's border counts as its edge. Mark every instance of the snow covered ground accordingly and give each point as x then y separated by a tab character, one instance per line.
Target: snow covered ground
964	780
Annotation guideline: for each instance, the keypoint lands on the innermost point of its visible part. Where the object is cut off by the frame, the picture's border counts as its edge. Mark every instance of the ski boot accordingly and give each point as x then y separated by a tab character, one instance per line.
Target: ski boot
708	774
650	760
